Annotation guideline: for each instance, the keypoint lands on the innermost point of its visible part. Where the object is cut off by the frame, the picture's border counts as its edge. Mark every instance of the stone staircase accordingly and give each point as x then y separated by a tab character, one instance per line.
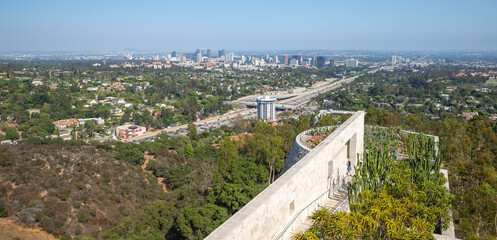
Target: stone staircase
336	202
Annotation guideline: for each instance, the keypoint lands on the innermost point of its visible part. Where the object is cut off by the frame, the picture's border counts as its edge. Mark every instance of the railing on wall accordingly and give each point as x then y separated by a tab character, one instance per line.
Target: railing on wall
314	205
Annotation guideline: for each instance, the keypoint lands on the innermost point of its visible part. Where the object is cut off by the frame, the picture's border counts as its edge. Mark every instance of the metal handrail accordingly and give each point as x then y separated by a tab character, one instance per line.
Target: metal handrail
305	208
341	204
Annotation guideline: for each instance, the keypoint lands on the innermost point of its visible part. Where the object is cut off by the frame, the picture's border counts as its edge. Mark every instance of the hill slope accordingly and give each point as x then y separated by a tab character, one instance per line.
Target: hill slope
67	189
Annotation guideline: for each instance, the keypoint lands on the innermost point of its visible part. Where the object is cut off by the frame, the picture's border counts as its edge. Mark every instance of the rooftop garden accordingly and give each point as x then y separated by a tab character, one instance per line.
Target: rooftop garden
390	197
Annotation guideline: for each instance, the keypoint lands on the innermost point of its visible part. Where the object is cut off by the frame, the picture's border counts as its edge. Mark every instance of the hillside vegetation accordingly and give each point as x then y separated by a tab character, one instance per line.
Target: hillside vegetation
76	190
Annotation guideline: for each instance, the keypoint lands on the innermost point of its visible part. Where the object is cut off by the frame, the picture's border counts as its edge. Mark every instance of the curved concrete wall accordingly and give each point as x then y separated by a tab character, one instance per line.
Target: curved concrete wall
297	152
269	212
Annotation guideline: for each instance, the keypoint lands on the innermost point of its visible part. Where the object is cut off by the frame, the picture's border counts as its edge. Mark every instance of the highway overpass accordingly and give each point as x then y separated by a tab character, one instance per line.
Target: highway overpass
286	101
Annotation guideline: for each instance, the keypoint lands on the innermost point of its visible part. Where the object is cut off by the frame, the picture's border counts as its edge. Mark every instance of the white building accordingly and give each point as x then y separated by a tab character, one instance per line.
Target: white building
92	89
199	57
266	108
96	121
127	131
351	63
294	62
230	57
37	83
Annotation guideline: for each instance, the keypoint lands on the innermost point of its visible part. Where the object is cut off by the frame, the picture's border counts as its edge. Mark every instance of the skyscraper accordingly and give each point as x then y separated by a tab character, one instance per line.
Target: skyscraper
174	54
209	53
298	58
221	53
351	63
230	57
199	57
266	108
285	59
320	61
332	62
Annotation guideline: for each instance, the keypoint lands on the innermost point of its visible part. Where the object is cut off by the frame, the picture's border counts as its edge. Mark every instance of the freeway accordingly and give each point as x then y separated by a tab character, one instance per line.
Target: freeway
212	120
295	98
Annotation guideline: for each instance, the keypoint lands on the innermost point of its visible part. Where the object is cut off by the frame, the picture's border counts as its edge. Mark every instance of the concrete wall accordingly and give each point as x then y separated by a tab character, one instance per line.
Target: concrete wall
297	152
269	212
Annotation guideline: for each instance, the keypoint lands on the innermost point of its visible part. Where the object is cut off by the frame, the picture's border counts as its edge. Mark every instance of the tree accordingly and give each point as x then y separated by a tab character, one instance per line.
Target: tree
304	123
11	134
90	127
166	117
189	152
125	118
228	152
196	221
191	131
276	155
327	120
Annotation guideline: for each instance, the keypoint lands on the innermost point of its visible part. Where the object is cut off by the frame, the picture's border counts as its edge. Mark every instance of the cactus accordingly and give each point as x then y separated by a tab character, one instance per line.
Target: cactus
374	172
424	160
320	130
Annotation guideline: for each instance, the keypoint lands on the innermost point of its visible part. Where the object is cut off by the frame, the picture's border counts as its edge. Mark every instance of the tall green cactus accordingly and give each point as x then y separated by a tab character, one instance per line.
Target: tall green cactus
321	130
424	161
374	172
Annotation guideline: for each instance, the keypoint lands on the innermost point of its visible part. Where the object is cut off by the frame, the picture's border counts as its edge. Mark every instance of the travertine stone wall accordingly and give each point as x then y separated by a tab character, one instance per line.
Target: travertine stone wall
269	212
297	152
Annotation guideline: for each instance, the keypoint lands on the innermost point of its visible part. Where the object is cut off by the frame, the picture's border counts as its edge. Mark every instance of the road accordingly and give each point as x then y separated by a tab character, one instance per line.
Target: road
295	99
209	122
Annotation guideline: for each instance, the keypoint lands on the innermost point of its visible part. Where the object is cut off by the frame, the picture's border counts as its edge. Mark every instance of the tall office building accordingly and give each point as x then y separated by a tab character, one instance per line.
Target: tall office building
266	108
209	53
199	57
197	51
276	59
351	63
174	54
320	61
298	58
294	62
394	60
309	61
230	57
332	62
285	59
221	52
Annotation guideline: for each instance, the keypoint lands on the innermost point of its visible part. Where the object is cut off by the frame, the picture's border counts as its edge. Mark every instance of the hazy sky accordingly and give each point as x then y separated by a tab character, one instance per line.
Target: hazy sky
46	25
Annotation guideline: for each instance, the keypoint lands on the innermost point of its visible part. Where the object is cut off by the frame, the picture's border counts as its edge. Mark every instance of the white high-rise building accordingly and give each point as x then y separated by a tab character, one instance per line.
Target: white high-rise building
351	63
266	108
230	57
394	60
199	57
